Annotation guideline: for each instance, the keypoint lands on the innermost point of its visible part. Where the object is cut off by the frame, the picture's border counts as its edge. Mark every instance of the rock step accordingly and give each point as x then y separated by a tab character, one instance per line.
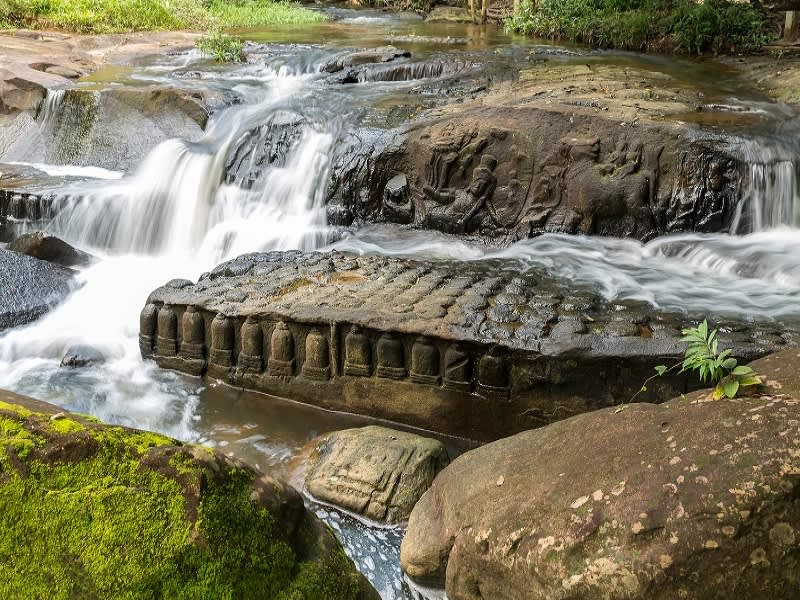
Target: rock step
474	349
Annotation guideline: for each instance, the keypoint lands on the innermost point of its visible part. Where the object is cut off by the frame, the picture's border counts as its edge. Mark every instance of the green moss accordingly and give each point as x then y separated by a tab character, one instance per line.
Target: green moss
94	513
66	425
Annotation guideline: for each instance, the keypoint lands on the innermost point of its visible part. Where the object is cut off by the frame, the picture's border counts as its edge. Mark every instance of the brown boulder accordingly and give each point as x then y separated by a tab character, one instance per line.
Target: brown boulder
689	499
374	471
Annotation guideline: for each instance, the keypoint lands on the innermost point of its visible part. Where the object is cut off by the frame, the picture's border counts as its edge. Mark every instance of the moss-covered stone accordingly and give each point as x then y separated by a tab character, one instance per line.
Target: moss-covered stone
93	511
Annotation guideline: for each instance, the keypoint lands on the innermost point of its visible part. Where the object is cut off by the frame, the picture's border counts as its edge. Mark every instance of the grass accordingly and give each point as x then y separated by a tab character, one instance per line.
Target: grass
113	16
684	26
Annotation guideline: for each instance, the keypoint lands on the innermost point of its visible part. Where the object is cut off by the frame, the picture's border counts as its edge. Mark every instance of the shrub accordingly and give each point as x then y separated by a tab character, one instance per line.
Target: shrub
223	48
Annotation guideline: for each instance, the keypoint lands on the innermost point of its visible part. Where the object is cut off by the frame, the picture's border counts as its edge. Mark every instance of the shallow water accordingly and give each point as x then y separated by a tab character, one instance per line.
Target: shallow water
172	218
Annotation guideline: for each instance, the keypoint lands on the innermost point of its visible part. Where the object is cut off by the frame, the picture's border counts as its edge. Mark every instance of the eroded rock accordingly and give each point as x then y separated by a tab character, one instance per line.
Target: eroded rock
374	471
190	520
688	499
50	248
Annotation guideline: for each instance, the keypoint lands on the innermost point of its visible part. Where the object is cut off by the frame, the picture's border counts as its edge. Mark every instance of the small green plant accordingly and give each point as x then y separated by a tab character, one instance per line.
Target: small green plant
703	357
222	47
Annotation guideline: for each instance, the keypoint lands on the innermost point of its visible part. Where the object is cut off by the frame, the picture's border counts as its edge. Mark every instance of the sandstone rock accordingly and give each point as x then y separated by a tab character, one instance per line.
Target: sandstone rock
689	499
374	471
50	248
382	54
475	349
115	512
30	287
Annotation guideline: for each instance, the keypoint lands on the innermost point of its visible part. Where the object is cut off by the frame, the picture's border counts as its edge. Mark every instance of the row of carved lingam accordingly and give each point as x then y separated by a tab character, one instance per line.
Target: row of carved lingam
159	337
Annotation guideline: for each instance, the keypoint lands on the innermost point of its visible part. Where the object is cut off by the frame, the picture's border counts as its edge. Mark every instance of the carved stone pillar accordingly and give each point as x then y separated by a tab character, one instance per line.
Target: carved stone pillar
147	329
317	365
281	360
391	357
425	363
358	353
167	340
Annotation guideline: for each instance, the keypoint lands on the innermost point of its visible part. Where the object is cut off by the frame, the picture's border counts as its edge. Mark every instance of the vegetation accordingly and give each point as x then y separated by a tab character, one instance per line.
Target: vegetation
223	48
703	357
109	16
93	511
681	25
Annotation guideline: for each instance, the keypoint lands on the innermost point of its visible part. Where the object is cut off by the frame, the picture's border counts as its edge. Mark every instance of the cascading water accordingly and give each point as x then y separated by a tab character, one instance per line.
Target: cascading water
175	216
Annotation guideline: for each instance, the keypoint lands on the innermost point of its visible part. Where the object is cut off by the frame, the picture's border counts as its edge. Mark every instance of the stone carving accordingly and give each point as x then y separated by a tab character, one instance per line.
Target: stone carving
457	369
425	365
397	204
391	357
192	334
317	365
281	360
493	375
222	338
251	357
358	353
147	329
167	341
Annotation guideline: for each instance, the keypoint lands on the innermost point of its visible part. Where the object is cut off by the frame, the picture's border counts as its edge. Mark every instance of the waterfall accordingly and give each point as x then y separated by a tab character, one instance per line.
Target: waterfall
770	186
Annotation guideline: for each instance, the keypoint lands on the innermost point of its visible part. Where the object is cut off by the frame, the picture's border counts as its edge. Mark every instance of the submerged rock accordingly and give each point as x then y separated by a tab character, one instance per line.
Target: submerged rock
689	499
374	471
82	356
30	287
114	512
50	248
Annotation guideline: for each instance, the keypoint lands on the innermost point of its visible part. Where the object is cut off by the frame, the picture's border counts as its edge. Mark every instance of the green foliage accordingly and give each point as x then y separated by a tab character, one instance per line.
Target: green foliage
684	25
223	48
109	16
87	511
703	357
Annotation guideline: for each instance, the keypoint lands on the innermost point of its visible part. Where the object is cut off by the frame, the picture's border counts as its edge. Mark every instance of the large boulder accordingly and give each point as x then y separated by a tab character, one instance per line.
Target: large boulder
93	511
30	288
39	244
689	499
374	471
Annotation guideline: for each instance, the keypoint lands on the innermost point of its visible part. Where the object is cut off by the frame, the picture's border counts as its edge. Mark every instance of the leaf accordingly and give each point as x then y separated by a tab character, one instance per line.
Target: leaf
742	370
702	329
619	409
661	369
731	387
729	363
751	380
725	353
718	393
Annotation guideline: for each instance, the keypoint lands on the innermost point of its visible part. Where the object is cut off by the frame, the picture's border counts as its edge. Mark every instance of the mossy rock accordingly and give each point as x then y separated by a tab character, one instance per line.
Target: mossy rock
89	510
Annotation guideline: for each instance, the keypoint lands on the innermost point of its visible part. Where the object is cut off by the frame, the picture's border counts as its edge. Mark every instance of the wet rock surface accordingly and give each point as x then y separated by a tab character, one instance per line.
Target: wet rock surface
49	248
478	349
30	288
569	148
692	498
374	471
80	356
192	519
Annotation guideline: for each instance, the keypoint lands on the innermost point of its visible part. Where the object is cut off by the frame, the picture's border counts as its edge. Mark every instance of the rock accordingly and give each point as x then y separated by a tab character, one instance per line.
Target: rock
30	288
547	154
115	512
475	349
82	356
50	248
449	14
62	71
688	499
377	472
382	54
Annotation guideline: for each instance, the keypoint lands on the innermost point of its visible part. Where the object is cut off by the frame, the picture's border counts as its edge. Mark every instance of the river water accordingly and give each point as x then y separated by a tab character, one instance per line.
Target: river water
171	217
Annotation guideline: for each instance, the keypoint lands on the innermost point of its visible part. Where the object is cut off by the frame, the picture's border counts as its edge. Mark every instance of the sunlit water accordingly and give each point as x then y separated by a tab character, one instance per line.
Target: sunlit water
173	218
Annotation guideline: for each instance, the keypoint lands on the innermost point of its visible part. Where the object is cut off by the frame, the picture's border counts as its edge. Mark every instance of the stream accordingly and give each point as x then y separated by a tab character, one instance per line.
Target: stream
173	216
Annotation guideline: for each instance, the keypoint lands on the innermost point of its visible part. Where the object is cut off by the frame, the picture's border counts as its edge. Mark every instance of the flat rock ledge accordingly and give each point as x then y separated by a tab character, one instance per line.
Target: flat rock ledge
473	349
687	499
89	510
376	472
